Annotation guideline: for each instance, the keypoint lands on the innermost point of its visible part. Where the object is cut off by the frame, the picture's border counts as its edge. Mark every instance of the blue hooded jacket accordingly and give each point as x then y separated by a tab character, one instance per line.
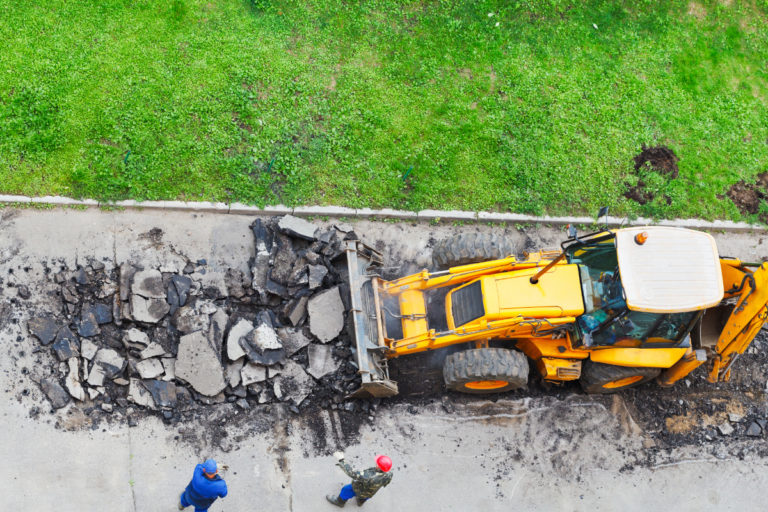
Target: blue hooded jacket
203	491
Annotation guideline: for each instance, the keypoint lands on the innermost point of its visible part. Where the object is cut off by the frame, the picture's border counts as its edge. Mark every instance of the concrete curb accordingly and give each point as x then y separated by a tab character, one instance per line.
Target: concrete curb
384	213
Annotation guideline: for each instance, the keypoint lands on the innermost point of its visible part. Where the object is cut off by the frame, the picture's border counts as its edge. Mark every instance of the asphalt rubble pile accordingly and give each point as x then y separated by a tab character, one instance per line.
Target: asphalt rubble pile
172	340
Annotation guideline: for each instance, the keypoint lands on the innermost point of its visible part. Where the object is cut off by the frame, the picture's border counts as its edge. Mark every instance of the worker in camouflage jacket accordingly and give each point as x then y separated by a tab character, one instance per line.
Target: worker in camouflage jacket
364	483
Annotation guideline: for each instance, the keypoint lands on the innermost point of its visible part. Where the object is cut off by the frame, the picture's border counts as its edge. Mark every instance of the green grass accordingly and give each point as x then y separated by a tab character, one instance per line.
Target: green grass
517	106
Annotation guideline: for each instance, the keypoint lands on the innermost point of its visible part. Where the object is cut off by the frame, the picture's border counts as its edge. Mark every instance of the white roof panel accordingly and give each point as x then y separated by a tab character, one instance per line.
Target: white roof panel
675	270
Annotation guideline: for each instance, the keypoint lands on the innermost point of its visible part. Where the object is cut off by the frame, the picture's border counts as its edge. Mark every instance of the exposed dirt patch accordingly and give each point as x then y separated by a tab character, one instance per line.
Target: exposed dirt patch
749	196
657	159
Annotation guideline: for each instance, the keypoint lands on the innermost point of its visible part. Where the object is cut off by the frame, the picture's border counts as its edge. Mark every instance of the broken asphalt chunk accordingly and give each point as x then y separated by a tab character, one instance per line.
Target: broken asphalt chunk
262	345
316	275
148	310
321	361
44	328
88	326
149	368
163	393
72	381
66	345
148	284
55	393
252	373
326	314
238	331
296	227
292	340
293	383
198	364
139	394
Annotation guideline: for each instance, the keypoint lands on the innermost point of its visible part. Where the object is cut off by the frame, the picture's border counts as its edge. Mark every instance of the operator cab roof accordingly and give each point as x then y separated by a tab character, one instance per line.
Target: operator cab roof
673	271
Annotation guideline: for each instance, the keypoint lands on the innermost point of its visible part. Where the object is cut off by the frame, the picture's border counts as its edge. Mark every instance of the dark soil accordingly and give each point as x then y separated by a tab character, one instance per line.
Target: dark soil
748	196
658	159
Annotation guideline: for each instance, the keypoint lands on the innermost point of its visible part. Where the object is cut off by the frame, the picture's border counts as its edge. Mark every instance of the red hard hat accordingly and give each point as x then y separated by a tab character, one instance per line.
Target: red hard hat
384	463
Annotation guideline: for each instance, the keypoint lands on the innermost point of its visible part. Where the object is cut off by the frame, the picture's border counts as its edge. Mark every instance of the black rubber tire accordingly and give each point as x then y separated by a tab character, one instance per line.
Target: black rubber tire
594	376
485	364
466	248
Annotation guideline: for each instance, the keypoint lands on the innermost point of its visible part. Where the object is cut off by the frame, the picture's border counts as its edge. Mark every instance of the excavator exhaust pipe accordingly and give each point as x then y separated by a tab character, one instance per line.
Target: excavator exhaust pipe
363	264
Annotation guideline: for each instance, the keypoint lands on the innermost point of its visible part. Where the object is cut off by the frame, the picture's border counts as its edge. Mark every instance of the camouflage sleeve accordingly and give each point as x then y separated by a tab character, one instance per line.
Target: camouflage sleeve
346	468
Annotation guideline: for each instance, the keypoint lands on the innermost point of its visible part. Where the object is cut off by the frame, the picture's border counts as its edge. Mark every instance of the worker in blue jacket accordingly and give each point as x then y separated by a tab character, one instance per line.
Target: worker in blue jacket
206	485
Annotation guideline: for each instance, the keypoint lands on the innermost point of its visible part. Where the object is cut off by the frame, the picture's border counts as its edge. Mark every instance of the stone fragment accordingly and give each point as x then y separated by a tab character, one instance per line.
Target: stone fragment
326	314
139	394
251	373
106	364
218	322
107	289
296	227
293	340
120	381
93	393
153	350
298	274
260	272
206	307
150	368
163	393
262	346
316	275
754	430
106	407
187	320
243	404
127	271
148	310
735	418
69	293
344	227
233	279
23	292
88	348
238	331
321	361
44	328
296	309
233	373
725	429
169	368
282	264
178	292
293	383
265	396
66	344
55	393
198	364
211	283
134	338
88	326
72	381
80	276
148	284
276	288
102	313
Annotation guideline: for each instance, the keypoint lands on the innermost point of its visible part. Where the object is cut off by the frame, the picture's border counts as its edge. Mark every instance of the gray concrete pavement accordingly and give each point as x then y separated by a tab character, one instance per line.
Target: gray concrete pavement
537	453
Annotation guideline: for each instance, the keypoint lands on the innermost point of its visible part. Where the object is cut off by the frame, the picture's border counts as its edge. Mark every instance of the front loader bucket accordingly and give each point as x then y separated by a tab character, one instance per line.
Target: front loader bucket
363	263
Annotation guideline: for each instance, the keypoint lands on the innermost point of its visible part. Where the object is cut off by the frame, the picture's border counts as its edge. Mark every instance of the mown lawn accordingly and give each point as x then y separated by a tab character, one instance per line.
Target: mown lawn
533	106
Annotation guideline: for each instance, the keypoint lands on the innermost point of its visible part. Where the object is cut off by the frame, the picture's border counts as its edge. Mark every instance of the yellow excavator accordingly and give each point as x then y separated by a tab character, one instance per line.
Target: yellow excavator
612	309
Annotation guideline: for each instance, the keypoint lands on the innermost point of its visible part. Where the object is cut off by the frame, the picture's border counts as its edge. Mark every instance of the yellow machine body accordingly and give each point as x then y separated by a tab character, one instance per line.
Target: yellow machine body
532	305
